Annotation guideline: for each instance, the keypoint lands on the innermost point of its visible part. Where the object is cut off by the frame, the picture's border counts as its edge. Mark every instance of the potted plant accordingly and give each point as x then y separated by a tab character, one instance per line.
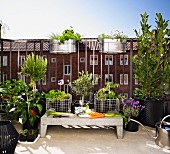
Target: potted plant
64	43
34	68
58	100
152	69
106	100
23	135
113	43
32	135
12	92
83	86
131	110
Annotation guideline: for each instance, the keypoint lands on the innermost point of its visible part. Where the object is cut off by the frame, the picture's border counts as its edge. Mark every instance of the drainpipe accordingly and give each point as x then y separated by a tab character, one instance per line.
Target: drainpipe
0	30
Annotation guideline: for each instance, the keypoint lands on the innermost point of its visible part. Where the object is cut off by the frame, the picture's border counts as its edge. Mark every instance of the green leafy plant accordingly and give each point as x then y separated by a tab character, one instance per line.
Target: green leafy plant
57	95
66	35
151	64
83	86
24	132
107	92
116	35
35	68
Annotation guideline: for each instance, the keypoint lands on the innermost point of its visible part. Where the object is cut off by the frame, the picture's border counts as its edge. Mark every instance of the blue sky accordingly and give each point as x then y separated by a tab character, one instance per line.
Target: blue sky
39	18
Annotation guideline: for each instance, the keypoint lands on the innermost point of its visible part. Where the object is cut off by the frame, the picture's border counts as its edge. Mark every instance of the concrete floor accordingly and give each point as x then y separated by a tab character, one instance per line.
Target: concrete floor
60	140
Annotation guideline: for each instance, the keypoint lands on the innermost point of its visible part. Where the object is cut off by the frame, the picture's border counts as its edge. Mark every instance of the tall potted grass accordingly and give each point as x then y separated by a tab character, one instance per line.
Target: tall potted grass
152	69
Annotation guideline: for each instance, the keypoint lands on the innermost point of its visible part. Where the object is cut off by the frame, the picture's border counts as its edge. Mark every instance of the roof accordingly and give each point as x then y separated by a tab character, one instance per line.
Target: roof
35	44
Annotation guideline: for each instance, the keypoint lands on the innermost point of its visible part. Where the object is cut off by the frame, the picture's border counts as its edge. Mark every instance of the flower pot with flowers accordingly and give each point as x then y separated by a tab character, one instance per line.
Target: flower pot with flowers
131	110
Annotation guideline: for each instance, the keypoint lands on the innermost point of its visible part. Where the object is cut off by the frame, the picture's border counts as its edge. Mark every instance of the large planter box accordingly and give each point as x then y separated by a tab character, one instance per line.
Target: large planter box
63	106
106	106
113	46
66	48
152	113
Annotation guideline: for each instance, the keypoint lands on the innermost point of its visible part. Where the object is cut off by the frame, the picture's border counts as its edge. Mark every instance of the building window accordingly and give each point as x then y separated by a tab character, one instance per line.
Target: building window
108	59
124	94
108	78
96	76
53	60
66	88
21	77
43	81
4	61
136	80
125	79
21	60
4	78
125	60
67	70
82	59
53	79
94	59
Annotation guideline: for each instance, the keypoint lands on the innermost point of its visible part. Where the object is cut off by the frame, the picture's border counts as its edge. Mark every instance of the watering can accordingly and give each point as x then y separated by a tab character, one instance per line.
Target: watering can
162	137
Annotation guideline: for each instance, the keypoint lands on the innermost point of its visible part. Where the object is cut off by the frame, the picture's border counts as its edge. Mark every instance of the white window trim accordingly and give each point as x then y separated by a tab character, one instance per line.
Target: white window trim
21	77
96	76
66	88
4	60
106	77
136	81
124	94
121	76
53	60
82	60
53	79
106	61
121	61
43	81
68	73
21	60
92	61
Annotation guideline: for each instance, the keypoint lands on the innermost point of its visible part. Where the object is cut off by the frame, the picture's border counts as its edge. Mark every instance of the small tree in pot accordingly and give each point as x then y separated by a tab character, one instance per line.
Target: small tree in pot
152	65
83	85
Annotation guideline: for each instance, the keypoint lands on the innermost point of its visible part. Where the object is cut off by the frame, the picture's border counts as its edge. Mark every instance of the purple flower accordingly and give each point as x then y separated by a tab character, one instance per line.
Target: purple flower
131	108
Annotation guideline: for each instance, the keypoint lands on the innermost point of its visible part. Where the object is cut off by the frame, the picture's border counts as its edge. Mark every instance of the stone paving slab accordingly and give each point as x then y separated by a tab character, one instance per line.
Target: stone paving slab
60	140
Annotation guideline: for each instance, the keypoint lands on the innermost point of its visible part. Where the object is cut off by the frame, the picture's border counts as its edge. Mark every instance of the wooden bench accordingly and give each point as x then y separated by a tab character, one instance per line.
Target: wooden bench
77	121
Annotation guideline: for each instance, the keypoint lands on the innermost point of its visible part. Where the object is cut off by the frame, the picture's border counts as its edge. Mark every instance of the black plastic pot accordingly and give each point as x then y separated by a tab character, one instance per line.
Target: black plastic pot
152	113
8	137
132	127
22	137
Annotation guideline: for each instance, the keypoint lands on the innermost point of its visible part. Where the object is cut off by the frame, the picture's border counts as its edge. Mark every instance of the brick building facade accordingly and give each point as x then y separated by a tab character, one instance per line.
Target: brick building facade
67	66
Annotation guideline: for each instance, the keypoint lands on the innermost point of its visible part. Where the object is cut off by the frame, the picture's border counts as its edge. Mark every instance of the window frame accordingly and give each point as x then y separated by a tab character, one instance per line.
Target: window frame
53	79
91	60
121	78
123	60
109	57
53	60
68	71
107	77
